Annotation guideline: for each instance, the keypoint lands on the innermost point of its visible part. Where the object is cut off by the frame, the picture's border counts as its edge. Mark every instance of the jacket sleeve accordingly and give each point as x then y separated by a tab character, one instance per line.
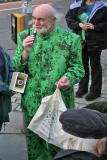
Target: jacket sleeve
75	70
4	88
10	70
72	21
102	26
18	66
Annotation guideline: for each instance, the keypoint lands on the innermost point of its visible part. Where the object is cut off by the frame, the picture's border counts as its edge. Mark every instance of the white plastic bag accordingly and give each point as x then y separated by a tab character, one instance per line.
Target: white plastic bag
46	123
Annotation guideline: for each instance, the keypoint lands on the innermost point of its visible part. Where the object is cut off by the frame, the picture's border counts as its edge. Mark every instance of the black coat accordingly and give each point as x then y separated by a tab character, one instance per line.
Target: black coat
96	39
77	155
5	93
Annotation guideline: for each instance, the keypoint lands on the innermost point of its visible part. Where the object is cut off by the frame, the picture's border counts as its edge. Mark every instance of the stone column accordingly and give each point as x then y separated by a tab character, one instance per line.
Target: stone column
27	12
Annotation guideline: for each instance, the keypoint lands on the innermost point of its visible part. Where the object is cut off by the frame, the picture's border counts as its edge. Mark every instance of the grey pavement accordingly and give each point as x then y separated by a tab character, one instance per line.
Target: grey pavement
13	147
15	130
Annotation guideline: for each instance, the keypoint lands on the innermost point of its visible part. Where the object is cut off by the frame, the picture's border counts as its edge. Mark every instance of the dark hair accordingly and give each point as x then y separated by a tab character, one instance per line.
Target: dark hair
82	8
84	2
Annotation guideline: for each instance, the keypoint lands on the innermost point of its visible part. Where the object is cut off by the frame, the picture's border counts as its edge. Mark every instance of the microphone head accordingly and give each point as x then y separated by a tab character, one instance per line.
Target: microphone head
35	32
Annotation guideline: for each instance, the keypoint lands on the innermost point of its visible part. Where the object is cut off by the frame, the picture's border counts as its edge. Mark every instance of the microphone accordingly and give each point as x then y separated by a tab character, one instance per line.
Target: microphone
35	32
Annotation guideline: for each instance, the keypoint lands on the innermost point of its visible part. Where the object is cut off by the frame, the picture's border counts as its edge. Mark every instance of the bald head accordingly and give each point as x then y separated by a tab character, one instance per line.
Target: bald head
46	9
43	18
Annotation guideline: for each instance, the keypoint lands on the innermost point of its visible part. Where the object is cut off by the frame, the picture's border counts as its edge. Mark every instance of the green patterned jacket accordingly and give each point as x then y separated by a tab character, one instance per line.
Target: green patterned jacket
52	56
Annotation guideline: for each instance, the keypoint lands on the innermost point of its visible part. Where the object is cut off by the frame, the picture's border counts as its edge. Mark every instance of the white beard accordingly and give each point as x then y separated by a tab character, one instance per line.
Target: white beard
42	30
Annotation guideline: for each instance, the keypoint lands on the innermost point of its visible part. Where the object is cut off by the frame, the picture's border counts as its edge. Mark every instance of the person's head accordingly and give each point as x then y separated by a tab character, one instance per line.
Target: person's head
88	127
43	18
88	1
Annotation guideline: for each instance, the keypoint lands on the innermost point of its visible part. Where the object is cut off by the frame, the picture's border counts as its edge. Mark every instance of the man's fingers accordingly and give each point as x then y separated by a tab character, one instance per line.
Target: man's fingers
62	85
64	79
29	39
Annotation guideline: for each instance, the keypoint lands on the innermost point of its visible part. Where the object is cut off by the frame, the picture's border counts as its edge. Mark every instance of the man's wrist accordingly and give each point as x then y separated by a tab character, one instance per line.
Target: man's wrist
24	56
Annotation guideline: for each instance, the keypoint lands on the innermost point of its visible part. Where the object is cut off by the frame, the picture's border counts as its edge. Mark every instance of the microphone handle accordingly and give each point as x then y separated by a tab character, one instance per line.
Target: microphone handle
34	33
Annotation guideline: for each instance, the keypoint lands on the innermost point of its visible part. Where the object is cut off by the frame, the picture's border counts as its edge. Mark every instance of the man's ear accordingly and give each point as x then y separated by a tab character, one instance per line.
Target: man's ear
100	147
53	20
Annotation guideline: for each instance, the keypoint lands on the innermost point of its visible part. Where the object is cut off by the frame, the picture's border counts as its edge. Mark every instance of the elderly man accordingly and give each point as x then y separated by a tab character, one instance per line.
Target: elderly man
89	129
51	57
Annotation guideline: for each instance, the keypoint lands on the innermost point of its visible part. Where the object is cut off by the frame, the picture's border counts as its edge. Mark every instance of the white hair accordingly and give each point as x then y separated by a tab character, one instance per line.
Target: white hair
53	13
56	14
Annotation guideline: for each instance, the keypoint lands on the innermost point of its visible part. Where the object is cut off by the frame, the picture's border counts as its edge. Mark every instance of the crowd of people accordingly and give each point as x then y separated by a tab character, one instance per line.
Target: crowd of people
55	57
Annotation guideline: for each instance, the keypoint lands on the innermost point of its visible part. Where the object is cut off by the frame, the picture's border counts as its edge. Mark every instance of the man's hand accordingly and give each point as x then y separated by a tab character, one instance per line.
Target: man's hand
83	26
27	44
63	83
90	26
86	26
